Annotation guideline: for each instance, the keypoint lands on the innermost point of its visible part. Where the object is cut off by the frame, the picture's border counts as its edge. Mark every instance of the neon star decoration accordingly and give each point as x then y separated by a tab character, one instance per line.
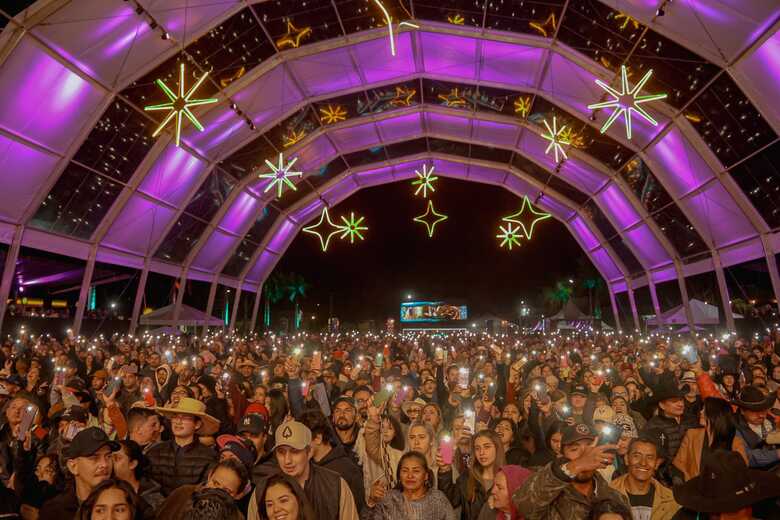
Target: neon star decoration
509	235
430	224
425	181
352	228
333	114
626	101
523	106
528	230
180	104
403	96
389	22
627	20
453	99
280	175
293	137
545	28
324	221
293	36
456	19
557	140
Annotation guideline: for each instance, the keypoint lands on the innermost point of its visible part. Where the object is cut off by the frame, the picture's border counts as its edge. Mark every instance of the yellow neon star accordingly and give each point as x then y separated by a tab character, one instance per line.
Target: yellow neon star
453	99
333	114
313	229
627	20
423	219
294	136
523	106
224	82
546	28
574	139
456	19
527	231
293	36
180	104
403	96
510	236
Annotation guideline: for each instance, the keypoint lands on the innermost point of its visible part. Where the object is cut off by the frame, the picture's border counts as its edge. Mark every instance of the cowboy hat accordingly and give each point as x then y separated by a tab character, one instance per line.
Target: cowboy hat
725	484
668	389
189	406
751	398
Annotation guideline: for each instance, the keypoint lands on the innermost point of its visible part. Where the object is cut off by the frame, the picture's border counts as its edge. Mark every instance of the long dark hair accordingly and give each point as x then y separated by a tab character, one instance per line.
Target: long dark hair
721	423
398	442
476	470
423	462
85	511
277	407
306	511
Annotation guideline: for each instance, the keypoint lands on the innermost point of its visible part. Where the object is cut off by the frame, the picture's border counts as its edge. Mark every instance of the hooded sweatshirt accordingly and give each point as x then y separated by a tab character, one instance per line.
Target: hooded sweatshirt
515	476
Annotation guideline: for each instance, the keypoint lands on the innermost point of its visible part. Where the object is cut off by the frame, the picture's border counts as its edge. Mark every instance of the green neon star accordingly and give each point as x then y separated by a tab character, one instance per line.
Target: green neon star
280	175
509	235
557	139
352	228
527	231
180	104
626	101
425	181
324	240
424	219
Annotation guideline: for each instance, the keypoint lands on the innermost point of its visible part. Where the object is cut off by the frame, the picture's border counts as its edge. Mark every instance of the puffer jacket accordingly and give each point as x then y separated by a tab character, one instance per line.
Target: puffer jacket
457	493
672	433
173	466
547	495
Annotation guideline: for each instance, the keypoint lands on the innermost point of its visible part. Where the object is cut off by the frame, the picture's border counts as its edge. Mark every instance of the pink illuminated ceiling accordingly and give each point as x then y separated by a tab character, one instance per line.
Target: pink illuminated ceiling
71	69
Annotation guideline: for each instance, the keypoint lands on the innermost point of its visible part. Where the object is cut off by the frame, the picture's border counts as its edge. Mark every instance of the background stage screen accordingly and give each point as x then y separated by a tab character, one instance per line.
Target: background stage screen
432	312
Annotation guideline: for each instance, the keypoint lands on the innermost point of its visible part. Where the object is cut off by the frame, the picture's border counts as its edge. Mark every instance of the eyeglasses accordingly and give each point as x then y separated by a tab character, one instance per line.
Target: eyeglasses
183	418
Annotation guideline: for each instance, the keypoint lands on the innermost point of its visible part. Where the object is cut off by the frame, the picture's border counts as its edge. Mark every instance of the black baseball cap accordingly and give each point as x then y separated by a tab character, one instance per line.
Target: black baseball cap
87	442
253	423
345	399
576	432
579	390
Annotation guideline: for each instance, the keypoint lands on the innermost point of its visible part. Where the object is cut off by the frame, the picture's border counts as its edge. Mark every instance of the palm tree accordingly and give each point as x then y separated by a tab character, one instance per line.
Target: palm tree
295	286
273	290
560	293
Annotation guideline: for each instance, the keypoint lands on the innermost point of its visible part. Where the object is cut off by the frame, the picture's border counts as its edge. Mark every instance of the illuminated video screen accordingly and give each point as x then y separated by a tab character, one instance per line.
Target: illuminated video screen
432	312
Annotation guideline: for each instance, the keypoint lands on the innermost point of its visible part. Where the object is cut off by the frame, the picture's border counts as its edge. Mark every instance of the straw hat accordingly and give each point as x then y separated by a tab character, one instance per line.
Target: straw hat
189	406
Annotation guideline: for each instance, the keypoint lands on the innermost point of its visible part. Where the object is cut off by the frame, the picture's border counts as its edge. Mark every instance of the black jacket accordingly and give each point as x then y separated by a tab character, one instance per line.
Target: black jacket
457	493
62	507
323	489
339	461
173	466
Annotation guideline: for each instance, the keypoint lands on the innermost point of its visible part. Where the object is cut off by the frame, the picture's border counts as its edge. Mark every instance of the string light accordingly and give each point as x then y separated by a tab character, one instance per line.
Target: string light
389	22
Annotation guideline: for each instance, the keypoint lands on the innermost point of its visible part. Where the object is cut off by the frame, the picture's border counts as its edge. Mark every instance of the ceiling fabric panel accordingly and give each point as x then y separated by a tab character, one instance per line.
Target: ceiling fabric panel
139	226
23	170
173	176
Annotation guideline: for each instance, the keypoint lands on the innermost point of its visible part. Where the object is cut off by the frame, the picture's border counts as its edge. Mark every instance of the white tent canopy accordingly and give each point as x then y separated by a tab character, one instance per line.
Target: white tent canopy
703	314
188	317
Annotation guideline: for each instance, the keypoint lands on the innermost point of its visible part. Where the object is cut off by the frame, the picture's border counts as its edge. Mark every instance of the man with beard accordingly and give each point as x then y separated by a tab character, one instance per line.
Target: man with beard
566	489
649	499
345	420
362	395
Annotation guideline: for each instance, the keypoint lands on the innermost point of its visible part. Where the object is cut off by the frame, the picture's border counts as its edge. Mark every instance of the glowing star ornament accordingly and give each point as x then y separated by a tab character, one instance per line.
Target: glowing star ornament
545	28
293	37
456	19
528	230
523	106
626	101
556	137
403	97
293	137
180	104
453	99
280	175
332	114
430	223
352	228
509	235
389	21
324	235
425	181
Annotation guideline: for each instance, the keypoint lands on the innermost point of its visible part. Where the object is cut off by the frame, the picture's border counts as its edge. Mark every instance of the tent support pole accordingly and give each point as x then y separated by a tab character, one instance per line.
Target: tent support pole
84	292
139	297
659	320
725	298
632	302
210	305
615	313
9	270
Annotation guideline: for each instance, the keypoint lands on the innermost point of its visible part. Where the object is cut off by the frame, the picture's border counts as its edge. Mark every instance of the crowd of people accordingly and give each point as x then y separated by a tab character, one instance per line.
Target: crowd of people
401	427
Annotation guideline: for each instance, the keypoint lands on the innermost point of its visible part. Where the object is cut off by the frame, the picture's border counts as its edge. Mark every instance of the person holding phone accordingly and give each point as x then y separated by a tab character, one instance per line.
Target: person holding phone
414	496
384	447
566	488
471	489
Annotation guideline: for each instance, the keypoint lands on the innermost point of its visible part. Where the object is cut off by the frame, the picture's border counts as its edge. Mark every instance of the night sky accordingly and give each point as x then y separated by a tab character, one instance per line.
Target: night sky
462	260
